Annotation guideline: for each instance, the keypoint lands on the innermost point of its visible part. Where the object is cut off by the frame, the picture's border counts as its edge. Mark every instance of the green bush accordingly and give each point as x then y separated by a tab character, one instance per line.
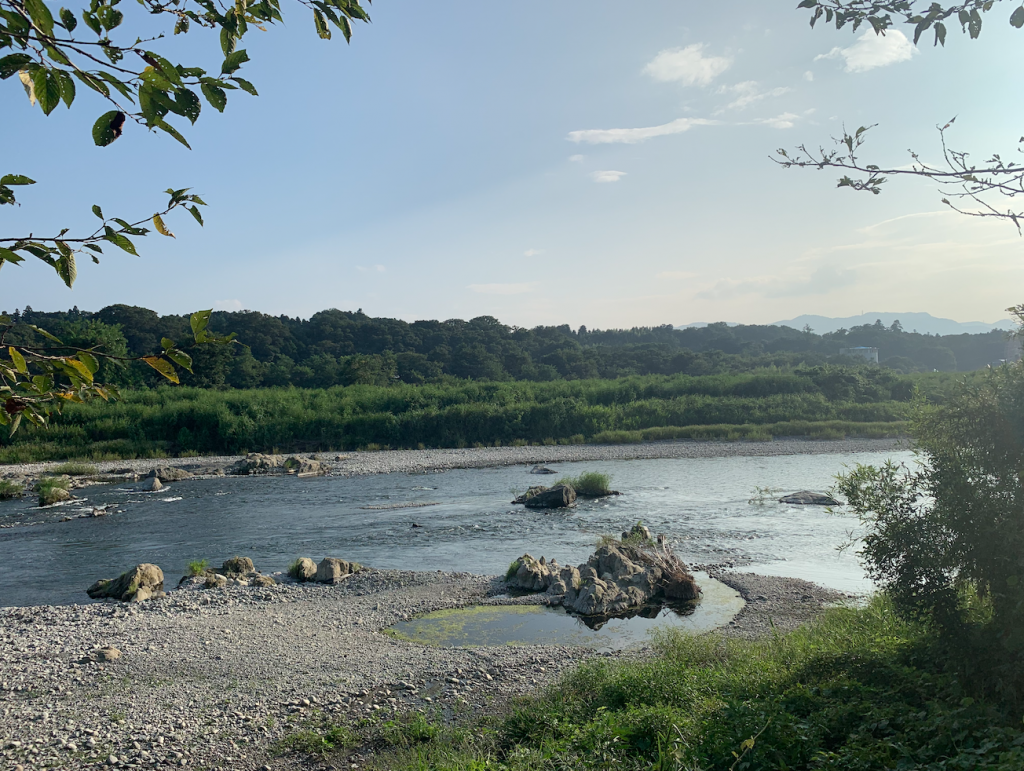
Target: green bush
197	567
52	490
9	489
590	484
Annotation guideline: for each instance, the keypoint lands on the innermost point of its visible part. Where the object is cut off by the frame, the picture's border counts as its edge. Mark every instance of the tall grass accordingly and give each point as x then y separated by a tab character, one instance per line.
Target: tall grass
590	484
857	689
9	489
192	421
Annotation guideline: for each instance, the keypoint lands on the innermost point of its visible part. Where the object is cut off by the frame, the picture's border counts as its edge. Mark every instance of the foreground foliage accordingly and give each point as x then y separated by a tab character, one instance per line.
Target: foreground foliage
859	689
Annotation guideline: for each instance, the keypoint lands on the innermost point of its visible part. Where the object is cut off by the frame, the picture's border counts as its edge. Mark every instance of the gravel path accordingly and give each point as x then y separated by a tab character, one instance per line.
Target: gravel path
212	678
390	461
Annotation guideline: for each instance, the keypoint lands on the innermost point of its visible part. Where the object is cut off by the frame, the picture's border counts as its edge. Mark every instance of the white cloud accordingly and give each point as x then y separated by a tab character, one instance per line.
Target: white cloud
630	136
688	66
532	252
227	305
372	269
576	158
748	92
809	76
871	51
503	288
677	274
784	121
607	176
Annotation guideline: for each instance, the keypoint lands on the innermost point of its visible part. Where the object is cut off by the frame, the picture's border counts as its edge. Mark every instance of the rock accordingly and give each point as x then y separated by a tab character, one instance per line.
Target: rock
304	569
557	497
618	578
237	566
304	467
124	587
808	498
639	532
542	470
216	581
170	474
529	494
147	593
258	463
54	495
150	485
264	581
331	570
104	654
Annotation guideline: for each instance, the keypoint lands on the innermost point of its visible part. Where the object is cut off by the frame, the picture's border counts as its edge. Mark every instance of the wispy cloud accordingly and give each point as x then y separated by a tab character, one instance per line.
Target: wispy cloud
688	66
505	289
607	176
784	121
871	51
630	136
749	92
227	305
809	76
532	252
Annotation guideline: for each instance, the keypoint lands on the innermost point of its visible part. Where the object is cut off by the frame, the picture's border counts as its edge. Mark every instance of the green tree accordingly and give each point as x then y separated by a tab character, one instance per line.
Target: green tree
960	179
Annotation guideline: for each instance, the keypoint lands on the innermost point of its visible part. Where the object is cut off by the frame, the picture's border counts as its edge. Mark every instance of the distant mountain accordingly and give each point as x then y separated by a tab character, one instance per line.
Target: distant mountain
924	323
702	324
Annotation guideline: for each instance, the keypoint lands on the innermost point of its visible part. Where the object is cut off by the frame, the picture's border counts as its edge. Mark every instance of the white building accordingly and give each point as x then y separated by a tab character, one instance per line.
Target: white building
871	354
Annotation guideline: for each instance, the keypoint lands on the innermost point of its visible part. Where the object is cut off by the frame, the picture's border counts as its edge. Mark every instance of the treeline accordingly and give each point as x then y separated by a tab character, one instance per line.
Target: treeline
346	348
822	402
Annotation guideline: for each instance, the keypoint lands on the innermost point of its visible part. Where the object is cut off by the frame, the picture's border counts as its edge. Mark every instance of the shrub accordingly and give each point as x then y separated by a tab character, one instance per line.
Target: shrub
52	490
9	489
197	567
590	484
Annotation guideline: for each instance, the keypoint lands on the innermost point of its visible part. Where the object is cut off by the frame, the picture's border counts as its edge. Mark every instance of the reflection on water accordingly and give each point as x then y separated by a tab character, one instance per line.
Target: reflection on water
539	625
700	503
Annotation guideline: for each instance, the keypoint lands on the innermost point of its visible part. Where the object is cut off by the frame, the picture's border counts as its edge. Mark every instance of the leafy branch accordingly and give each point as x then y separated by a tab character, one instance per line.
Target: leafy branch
59	251
959	179
38	380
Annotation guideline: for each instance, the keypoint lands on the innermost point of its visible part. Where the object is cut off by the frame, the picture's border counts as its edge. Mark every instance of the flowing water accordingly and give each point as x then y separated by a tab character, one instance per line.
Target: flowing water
702	504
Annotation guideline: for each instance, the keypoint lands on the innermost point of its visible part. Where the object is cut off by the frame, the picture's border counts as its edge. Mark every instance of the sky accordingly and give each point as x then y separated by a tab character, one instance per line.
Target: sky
542	163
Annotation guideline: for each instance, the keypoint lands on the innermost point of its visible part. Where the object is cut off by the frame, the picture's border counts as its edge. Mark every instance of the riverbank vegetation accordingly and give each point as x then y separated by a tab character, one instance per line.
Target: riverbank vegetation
589	484
817	402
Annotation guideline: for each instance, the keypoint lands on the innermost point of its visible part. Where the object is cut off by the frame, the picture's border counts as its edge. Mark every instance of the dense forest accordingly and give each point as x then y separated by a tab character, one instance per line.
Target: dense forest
346	348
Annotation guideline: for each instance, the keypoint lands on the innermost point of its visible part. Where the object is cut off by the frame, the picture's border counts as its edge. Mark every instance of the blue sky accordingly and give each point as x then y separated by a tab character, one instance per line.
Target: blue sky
544	163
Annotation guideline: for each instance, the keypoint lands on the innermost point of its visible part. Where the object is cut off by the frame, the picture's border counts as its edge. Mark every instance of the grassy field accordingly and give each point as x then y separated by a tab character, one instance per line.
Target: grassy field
820	404
854	691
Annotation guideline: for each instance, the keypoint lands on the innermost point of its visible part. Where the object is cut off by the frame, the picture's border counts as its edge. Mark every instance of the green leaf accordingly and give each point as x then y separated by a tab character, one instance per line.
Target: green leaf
16	179
92	22
166	342
246	85
165	126
45	334
66	268
119	240
180	358
92	82
67	87
1017	17
199	321
195	213
97	211
233	61
6	255
169	70
68	20
12	63
18	359
940	34
227	41
40	15
107	128
188	104
47	89
81	369
215	96
118	84
321	25
89	361
163	367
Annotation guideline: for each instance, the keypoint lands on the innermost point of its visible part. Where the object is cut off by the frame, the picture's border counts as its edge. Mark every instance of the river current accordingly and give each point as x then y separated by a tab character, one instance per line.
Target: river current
702	504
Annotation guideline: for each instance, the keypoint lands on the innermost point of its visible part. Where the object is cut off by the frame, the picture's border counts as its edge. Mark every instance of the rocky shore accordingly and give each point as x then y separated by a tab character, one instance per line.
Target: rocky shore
213	678
414	461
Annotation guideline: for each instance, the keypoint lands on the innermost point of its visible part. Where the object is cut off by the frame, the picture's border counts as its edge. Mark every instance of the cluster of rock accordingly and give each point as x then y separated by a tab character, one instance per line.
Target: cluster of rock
330	570
142	582
258	463
808	498
618	577
540	497
237	571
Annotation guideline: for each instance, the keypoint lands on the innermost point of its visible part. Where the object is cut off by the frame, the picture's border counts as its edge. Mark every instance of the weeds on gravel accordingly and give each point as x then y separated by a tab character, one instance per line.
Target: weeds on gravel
197	567
73	469
52	489
9	489
856	689
316	742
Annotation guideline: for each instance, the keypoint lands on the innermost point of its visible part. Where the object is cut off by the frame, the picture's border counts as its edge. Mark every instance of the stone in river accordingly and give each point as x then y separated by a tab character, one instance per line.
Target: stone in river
557	497
542	470
145	577
808	498
150	485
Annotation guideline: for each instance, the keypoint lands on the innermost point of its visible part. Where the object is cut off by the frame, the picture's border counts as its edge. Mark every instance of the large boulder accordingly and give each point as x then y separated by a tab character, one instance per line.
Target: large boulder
169	474
142	582
808	498
557	497
303	569
618	577
304	467
237	566
258	463
532	491
542	470
331	570
150	485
